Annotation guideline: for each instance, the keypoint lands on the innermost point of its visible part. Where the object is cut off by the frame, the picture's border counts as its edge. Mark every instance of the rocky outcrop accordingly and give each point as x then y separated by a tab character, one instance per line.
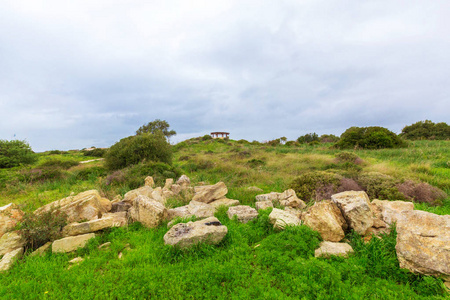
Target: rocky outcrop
281	218
328	249
84	206
390	211
355	207
10	215
209	193
108	221
263	204
326	218
244	213
183	235
10	258
71	243
147	211
423	243
11	241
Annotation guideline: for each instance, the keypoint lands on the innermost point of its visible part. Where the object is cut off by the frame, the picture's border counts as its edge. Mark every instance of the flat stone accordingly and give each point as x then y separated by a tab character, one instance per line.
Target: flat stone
11	241
281	219
41	250
224	202
10	258
111	220
209	193
263	204
272	196
71	243
194	208
244	213
328	249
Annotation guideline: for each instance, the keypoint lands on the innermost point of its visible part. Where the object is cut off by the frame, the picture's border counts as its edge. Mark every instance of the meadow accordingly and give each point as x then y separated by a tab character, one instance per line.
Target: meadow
254	261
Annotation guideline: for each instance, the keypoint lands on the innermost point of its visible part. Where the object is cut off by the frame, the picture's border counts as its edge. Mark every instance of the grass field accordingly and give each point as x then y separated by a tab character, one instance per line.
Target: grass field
253	261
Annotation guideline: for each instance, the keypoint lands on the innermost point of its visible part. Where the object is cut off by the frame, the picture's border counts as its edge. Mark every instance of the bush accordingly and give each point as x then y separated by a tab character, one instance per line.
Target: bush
15	153
421	192
138	148
206	137
328	138
369	138
317	185
380	186
97	152
90	173
42	174
40	229
308	138
426	130
57	163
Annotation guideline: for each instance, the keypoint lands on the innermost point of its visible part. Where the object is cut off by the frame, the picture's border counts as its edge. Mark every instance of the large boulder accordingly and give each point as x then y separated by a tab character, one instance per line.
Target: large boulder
281	218
355	207
71	243
389	211
110	220
183	235
10	258
244	213
423	243
11	241
147	211
10	215
326	218
81	207
209	193
133	194
328	249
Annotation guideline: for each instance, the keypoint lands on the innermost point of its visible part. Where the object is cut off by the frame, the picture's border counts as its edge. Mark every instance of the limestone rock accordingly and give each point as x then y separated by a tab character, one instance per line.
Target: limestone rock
133	194
11	241
390	211
209	231
120	207
272	196
105	246
355	207
244	213
194	208
295	211
167	194
328	249
41	250
263	204
149	181
184	181
76	260
71	243
168	184
158	195
111	220
176	189
326	218
209	193
289	198
10	258
10	215
423	243
225	202
254	189
84	206
147	211
281	218
106	204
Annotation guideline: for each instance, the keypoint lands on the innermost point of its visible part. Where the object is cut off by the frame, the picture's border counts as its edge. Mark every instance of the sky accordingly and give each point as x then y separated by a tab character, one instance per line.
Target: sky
76	74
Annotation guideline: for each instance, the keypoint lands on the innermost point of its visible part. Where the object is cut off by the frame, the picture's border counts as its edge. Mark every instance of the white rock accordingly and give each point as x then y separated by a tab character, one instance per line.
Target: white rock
263	204
244	213
148	211
71	243
10	258
328	249
281	218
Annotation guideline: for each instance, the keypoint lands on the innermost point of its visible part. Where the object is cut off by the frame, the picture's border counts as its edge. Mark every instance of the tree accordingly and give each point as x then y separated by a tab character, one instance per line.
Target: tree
426	130
308	138
15	153
374	137
155	126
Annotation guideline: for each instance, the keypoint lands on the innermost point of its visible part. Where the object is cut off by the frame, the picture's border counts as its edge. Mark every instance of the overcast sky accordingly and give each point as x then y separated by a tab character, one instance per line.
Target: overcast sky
75	74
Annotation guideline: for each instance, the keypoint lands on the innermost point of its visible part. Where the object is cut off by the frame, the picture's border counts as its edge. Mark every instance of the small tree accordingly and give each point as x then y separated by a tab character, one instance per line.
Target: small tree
308	138
15	153
426	130
374	137
155	126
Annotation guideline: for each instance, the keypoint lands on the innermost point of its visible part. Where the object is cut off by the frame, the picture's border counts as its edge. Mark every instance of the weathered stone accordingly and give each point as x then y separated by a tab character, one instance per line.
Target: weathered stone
116	199
209	193
281	219
10	258
157	195
254	189
184	181
181	211
76	260
263	204
289	198
84	206
423	243
10	215
11	241
295	211
105	246
326	218
209	231
167	194
272	196
147	211
355	207
225	202
120	206
199	209
133	194
390	211
149	181
71	243
106	204
328	249
176	189
111	220
244	213
41	250
168	184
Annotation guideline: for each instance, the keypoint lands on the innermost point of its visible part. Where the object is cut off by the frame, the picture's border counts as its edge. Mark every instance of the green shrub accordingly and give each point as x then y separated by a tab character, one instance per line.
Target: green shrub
369	138
97	152
138	148
328	138
15	153
91	173
315	185
57	163
42	174
421	192
426	130
206	137
40	229
380	186
308	138
254	163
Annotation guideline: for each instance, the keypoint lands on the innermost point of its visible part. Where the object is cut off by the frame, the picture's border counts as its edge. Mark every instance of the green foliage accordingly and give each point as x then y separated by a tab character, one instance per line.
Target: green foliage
15	153
206	137
91	173
369	138
156	126
328	138
308	138
40	229
42	174
426	130
254	163
97	152
313	185
58	163
380	186
135	149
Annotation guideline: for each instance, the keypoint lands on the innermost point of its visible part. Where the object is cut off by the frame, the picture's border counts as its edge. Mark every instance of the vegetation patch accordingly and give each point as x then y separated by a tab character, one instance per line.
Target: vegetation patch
15	153
369	138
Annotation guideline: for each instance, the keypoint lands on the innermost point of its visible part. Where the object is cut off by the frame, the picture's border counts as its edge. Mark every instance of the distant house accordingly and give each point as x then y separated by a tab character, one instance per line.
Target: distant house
219	135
